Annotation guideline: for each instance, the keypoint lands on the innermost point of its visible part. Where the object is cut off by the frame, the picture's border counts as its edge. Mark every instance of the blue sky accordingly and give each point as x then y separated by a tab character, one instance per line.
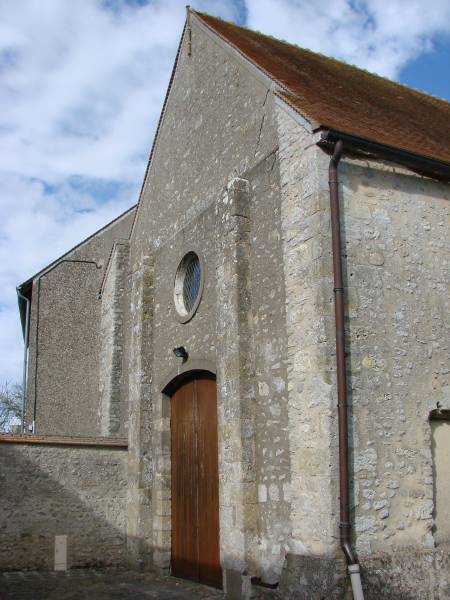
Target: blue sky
82	86
430	71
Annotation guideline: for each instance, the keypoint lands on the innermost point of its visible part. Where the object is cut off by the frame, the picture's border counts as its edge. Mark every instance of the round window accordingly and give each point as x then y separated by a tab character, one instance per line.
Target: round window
188	286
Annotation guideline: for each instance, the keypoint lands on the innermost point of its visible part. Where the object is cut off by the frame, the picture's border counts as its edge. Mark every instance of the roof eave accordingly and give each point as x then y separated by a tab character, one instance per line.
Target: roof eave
301	117
423	165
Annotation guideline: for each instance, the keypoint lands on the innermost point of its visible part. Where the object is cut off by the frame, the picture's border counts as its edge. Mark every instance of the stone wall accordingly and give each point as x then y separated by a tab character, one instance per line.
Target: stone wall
411	573
137	390
269	370
395	247
309	326
397	258
236	393
240	180
218	123
52	490
183	206
112	409
65	345
260	216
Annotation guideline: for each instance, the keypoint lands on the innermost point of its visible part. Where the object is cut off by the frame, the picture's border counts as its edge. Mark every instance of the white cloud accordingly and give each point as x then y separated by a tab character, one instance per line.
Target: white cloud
81	89
81	78
378	35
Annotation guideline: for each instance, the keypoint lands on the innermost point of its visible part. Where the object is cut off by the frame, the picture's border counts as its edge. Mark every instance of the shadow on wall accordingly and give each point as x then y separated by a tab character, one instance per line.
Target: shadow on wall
52	490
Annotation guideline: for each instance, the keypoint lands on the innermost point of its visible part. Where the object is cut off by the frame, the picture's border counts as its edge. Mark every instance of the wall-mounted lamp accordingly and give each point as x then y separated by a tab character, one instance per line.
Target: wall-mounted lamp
181	352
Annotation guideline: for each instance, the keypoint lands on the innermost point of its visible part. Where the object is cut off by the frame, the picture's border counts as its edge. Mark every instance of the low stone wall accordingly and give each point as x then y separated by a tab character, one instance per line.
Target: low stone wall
406	574
412	574
314	578
51	489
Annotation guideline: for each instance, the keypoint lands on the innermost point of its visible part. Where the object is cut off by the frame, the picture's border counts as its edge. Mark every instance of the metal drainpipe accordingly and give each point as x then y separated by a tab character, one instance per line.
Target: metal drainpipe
64	260
25	358
344	524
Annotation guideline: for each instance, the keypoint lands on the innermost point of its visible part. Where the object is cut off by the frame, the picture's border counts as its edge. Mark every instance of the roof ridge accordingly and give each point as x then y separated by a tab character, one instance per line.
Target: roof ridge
328	57
255	64
341	96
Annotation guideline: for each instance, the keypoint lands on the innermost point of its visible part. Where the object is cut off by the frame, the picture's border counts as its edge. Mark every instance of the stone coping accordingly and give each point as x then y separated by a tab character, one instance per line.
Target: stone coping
63	441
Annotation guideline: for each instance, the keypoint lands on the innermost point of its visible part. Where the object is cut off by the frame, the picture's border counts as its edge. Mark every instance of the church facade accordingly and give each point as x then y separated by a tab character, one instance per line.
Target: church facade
226	388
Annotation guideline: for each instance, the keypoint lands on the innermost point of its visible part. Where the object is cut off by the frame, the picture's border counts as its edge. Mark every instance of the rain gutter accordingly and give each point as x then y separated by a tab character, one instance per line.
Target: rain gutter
423	165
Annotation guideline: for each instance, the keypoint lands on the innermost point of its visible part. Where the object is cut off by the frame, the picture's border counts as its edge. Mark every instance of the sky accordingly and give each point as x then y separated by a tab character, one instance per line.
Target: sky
81	89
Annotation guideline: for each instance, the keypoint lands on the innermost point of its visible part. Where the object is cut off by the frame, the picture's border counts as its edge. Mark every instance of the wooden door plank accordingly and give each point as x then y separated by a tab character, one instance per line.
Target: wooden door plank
185	562
210	570
195	482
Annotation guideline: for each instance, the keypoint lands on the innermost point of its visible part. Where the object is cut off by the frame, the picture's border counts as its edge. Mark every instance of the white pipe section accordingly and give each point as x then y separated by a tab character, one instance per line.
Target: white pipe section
355	578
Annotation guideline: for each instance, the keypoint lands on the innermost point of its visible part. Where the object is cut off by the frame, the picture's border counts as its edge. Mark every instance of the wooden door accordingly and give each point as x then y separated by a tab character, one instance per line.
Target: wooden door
195	482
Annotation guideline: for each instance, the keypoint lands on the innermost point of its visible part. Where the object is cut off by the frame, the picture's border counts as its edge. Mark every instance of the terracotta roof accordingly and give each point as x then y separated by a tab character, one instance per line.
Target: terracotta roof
340	96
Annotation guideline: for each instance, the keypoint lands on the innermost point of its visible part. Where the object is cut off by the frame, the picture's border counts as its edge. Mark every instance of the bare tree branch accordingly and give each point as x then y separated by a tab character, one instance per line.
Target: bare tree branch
10	404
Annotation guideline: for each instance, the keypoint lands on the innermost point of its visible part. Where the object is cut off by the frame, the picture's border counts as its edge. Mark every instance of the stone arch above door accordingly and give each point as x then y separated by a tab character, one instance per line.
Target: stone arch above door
177	375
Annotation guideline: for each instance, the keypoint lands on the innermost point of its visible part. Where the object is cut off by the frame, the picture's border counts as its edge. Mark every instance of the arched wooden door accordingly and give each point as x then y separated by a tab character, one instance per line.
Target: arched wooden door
195	481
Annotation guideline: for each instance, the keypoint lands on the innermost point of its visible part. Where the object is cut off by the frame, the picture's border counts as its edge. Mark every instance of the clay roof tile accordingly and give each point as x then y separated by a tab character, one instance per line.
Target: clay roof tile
343	97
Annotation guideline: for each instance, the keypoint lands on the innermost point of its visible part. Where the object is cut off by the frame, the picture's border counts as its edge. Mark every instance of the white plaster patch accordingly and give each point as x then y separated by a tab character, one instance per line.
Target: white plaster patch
263	388
426	453
319	392
279	384
262	493
382	216
354	498
381	504
369	494
287	492
392	484
366	460
274	492
298	547
198	122
302	362
365	523
425	510
275	410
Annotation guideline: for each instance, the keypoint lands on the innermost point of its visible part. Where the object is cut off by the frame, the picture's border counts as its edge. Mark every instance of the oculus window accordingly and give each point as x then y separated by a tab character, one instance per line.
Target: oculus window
188	285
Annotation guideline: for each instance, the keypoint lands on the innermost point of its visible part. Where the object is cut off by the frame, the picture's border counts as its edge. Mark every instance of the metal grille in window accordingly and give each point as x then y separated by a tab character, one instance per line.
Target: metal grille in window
191	283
